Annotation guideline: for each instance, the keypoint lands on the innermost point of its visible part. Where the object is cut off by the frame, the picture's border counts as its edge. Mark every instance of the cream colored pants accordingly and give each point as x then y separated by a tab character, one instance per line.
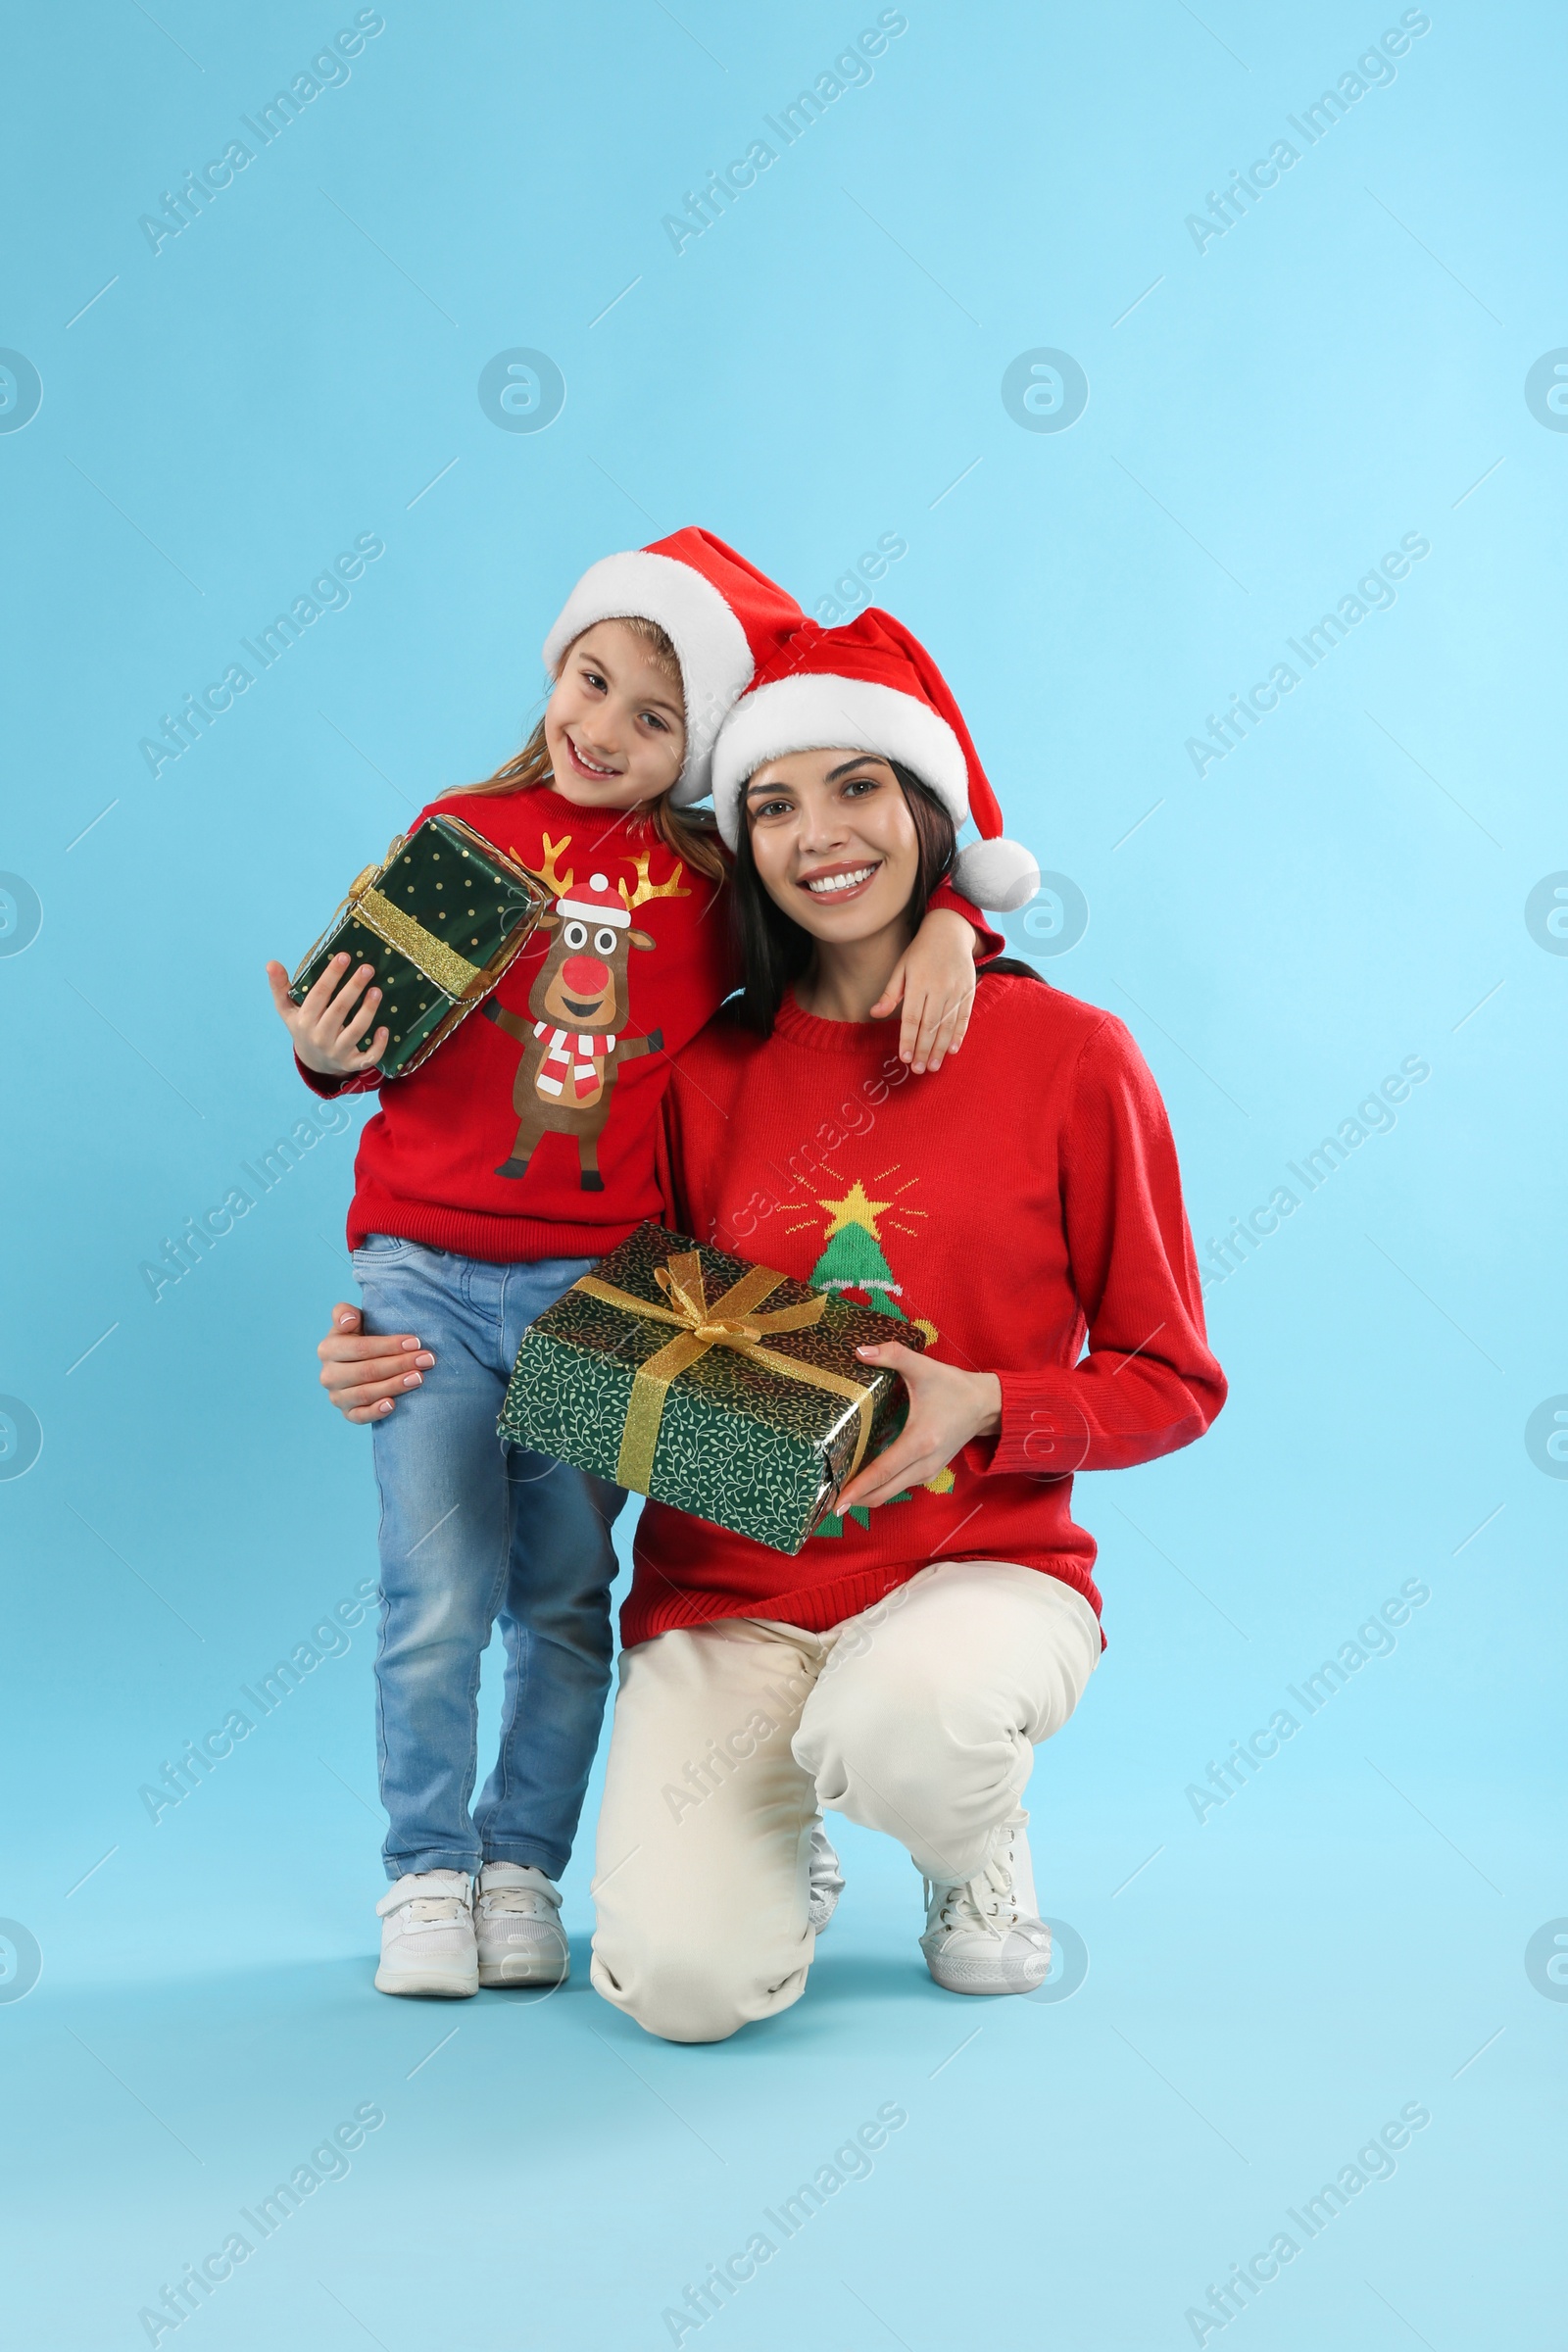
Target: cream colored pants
917	1717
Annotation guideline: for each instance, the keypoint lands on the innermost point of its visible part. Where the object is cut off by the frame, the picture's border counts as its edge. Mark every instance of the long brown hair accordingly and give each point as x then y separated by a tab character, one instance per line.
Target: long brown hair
686	835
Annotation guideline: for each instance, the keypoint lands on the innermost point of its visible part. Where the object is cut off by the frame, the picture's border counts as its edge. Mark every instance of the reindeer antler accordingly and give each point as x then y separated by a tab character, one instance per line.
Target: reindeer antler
645	890
549	874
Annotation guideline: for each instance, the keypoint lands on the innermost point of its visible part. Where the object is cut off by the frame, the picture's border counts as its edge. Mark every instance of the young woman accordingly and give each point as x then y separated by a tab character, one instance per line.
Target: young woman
906	1664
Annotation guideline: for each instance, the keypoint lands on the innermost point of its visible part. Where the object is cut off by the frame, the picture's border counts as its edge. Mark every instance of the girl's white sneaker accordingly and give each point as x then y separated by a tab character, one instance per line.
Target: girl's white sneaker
427	1943
984	1934
520	1937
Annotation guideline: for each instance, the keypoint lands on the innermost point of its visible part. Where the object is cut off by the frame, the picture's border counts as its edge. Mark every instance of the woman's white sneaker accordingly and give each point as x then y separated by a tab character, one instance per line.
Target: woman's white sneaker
825	1877
520	1937
984	1934
427	1943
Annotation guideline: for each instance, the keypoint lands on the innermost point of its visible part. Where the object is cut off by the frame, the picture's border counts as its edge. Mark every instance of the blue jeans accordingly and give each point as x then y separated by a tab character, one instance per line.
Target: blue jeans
472	1529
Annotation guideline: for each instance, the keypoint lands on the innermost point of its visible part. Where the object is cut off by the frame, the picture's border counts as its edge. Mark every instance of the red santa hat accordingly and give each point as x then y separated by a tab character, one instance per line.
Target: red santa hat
723	616
871	686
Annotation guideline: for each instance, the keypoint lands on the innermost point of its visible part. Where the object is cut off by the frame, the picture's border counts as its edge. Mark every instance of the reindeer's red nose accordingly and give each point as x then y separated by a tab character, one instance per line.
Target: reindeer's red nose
582	976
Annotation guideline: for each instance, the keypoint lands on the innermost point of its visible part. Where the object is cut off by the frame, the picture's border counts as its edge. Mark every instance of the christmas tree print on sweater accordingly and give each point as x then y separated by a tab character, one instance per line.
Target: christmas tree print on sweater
852	1260
853	1263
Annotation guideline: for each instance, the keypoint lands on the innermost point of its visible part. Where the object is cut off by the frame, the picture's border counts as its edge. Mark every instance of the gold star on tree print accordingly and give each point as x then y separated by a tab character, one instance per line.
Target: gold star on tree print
854	1261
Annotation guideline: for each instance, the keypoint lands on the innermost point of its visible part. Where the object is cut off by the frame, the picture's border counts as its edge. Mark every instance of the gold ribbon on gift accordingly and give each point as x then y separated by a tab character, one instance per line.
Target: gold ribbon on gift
431	955
428	954
731	1321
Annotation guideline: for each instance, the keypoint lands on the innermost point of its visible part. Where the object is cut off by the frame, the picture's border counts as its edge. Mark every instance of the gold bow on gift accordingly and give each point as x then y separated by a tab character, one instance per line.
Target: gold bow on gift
453	974
731	1321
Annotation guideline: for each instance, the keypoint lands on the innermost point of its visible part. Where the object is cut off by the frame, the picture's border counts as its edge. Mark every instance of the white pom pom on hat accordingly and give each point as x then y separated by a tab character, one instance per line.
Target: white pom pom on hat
871	686
723	616
1000	874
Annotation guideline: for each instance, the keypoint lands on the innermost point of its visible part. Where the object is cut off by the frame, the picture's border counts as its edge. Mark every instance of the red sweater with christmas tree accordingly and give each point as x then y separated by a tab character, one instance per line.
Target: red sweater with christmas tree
1021	1199
530	1132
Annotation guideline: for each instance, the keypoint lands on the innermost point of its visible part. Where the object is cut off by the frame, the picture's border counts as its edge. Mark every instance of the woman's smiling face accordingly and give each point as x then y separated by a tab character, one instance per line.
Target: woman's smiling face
833	842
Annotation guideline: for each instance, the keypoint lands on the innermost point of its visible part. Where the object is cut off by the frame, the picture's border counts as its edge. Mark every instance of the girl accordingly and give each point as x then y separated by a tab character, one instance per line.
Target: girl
901	1667
495	1175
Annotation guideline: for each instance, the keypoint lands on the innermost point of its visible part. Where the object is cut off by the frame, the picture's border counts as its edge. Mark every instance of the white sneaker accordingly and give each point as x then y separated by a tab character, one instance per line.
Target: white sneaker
826	1879
427	1941
520	1937
985	1935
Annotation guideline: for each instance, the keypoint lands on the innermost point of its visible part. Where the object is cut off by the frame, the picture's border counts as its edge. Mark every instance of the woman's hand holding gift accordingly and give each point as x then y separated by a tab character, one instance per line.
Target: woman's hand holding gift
947	1408
329	1026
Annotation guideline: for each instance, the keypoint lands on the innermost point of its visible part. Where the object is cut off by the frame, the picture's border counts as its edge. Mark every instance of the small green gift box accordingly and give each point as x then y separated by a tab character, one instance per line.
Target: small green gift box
438	924
720	1387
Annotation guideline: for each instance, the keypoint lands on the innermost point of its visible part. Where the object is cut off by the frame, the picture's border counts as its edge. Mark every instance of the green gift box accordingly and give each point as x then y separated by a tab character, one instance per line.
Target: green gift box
438	922
711	1384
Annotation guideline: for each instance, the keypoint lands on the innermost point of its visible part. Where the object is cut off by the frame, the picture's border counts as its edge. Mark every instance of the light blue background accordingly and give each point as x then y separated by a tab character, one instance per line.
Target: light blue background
1345	889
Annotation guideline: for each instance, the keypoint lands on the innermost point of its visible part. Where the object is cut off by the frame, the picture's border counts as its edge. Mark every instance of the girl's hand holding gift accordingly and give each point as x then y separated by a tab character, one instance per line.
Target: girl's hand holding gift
329	1027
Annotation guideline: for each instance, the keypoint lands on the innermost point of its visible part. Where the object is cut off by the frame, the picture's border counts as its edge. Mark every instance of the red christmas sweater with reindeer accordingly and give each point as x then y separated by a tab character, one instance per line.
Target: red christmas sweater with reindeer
531	1131
1017	1203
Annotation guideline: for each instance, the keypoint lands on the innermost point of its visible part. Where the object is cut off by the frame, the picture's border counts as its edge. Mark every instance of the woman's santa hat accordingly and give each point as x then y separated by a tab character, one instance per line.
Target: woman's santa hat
871	686
723	616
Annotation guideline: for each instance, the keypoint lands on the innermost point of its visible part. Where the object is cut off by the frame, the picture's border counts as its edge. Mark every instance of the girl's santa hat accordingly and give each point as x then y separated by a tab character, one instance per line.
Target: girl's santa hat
723	616
871	686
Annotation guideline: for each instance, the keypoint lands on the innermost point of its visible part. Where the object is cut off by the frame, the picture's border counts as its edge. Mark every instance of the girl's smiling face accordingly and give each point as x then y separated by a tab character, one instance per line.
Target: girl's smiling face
616	723
834	843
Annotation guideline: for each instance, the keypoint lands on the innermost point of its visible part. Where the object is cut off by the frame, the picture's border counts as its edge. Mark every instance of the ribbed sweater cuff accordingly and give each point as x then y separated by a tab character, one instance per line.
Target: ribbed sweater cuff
328	1088
1046	1434
1044	1431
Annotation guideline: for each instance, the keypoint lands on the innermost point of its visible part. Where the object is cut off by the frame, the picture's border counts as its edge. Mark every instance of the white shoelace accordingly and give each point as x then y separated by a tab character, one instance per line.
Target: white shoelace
985	1903
518	1902
426	1911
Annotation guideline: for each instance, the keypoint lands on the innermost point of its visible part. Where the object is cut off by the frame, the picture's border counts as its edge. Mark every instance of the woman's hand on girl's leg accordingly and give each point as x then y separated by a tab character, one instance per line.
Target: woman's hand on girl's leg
947	1408
933	980
364	1373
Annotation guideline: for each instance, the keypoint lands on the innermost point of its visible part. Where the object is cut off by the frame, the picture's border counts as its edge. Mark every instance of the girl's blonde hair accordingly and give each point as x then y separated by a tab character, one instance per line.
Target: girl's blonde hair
687	836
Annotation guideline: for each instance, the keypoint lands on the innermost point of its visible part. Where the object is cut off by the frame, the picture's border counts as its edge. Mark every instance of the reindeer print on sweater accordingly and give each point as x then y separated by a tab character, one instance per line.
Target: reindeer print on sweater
576	1040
